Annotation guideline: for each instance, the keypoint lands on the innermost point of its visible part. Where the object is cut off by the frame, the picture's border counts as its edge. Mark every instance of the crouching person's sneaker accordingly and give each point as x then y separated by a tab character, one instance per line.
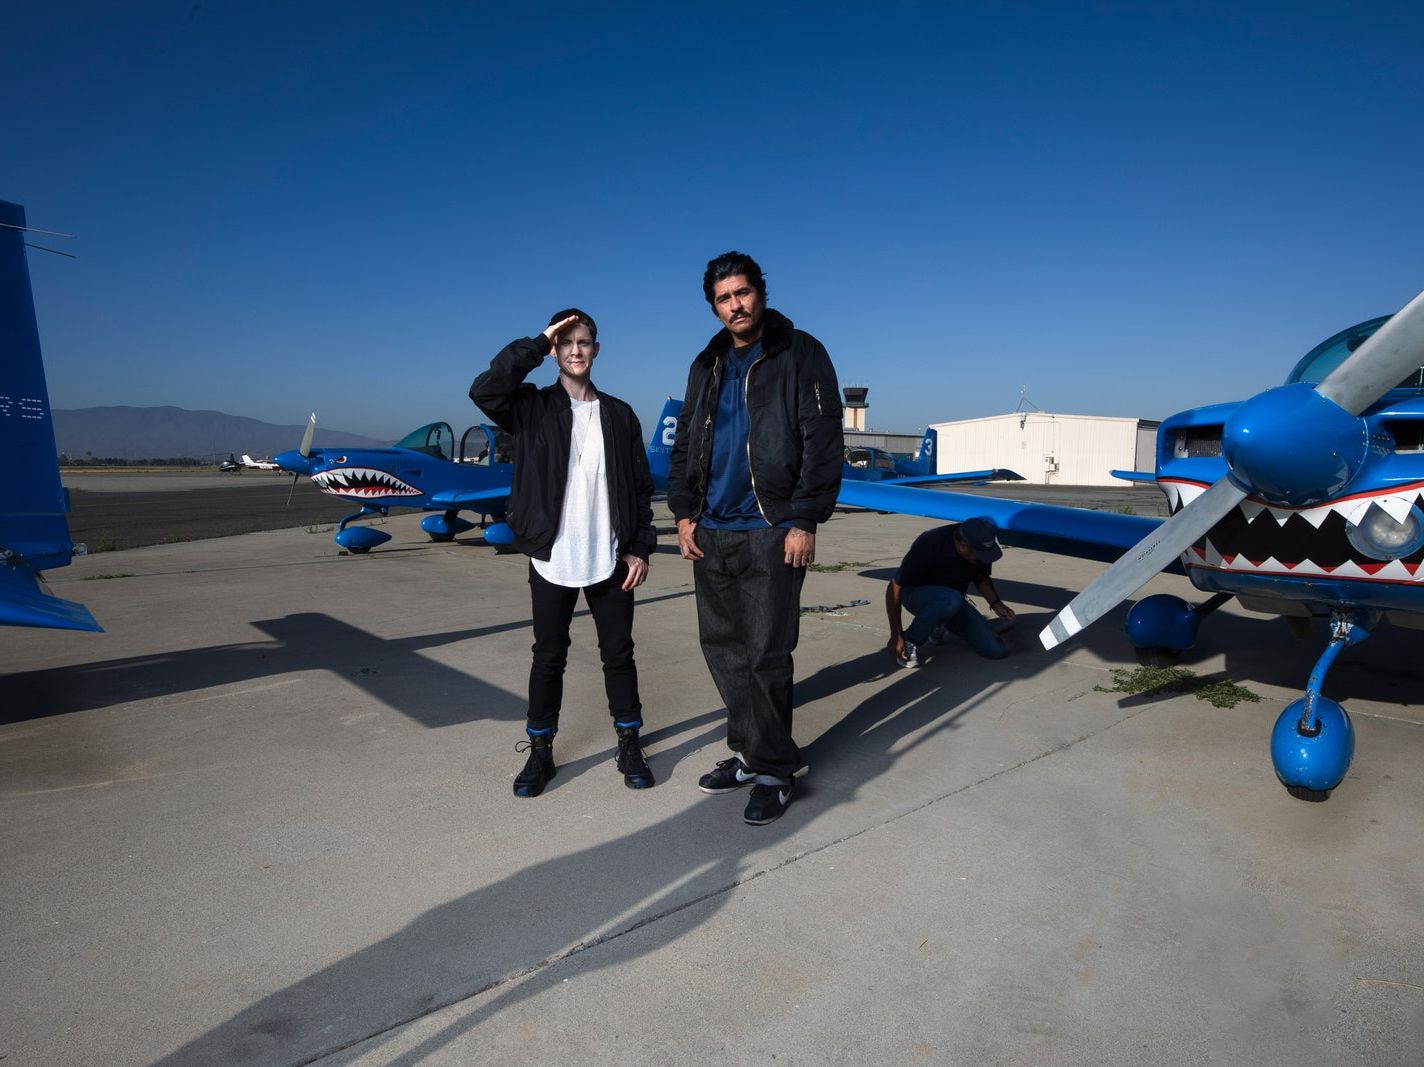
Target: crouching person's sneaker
634	768
728	775
911	658
767	802
538	768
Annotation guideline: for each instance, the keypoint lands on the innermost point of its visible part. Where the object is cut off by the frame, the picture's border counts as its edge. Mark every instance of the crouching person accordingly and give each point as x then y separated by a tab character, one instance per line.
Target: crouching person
931	584
581	509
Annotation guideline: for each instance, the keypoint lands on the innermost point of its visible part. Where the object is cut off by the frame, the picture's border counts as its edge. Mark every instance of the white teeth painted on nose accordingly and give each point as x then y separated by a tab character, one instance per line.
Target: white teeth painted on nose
1213	557
362	483
1280	515
1251	508
1396	507
1174	496
1349	569
1352	511
1315	516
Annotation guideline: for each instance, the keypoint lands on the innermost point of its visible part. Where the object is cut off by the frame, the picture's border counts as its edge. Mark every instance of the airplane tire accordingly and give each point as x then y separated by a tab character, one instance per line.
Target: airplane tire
1312	796
357	551
1158	657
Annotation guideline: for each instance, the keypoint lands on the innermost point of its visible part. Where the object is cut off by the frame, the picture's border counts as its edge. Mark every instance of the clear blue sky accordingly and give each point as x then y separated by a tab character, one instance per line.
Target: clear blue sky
1130	208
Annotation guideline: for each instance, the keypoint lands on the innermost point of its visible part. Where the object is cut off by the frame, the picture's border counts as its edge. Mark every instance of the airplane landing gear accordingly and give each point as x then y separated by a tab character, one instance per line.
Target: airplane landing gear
359	539
444	527
1313	741
1161	627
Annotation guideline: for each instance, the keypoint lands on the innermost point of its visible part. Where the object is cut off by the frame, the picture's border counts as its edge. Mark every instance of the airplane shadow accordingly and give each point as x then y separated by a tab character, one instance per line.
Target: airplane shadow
515	928
391	670
1256	647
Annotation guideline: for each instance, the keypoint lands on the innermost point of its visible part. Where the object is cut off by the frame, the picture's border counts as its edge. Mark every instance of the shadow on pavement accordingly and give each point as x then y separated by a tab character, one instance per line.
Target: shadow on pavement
490	939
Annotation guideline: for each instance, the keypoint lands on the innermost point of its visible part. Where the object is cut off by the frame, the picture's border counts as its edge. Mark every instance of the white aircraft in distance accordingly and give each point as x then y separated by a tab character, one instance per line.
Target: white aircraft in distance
259	464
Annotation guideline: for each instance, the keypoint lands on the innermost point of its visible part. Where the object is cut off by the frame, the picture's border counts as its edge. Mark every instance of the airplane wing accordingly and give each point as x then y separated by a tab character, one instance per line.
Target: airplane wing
1099	535
34	533
1135	476
464	498
998	474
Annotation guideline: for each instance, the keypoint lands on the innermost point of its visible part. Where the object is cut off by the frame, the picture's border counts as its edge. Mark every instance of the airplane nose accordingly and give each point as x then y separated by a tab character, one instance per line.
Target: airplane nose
293	461
1290	445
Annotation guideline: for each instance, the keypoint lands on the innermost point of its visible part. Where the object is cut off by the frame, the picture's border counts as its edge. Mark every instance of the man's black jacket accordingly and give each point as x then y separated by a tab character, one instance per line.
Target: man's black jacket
794	441
541	421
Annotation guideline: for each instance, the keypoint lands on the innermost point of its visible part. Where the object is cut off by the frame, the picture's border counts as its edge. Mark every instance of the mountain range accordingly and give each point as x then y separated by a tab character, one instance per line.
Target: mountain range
172	433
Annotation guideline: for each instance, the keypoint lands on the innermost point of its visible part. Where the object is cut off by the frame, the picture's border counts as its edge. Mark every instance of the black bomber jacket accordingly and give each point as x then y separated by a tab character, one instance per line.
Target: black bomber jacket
541	421
795	442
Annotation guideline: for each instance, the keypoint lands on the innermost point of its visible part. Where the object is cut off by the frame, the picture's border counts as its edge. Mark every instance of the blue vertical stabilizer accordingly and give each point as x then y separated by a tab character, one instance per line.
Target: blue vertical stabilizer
34	533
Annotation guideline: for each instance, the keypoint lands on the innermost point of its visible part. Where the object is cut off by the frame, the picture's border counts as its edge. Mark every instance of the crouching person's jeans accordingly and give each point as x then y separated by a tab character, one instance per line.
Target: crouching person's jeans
938	605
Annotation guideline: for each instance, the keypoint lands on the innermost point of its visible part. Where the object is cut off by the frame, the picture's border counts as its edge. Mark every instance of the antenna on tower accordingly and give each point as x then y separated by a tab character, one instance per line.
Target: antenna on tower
1025	405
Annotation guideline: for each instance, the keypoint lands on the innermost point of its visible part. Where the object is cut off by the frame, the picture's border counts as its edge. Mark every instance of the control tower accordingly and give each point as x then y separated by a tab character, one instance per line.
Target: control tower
855	406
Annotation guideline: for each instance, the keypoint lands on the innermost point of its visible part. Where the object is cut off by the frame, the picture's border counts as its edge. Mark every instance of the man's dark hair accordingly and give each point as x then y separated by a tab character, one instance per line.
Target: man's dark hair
583	317
729	265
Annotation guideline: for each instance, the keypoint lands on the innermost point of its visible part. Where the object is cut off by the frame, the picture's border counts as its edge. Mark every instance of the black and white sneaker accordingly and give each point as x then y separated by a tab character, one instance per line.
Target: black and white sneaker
728	776
767	803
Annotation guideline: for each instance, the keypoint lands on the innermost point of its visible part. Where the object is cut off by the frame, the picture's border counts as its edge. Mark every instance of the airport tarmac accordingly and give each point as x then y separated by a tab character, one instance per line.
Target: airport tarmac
266	819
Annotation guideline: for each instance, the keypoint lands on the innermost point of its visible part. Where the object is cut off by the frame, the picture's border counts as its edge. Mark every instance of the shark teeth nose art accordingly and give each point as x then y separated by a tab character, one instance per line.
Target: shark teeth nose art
1257	538
362	483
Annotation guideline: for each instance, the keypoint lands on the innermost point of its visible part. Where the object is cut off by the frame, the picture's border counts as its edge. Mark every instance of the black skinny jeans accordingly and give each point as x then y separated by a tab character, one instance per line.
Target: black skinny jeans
749	617
553	610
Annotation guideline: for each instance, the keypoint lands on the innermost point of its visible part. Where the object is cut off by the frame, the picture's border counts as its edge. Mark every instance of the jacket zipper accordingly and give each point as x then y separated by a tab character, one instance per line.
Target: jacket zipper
704	460
751	470
817	387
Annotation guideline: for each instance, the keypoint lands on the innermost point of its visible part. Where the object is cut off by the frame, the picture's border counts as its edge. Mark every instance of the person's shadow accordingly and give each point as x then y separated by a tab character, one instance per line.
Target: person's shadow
499	943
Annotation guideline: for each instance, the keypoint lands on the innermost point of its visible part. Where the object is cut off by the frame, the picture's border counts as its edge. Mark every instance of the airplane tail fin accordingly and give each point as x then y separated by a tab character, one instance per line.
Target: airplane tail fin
924	462
660	443
34	533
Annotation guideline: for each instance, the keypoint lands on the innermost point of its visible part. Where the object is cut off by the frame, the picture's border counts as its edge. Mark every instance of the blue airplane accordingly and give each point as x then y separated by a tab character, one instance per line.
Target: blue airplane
864	463
427	470
1303	501
34	533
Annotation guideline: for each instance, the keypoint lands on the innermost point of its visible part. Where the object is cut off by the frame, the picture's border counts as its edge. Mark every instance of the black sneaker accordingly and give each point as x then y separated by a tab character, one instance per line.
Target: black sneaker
538	769
727	776
767	803
636	772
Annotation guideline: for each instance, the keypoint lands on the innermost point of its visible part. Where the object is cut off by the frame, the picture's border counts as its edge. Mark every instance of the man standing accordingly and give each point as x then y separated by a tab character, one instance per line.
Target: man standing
581	509
931	583
755	466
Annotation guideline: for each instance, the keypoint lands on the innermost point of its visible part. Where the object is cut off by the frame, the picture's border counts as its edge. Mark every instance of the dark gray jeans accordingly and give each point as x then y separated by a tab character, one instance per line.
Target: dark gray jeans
749	617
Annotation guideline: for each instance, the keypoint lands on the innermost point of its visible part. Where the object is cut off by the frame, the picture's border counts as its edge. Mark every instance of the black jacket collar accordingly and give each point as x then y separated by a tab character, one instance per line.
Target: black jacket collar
775	337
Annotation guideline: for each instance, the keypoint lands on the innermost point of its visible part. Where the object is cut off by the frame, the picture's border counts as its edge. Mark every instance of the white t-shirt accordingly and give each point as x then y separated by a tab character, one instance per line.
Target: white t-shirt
585	551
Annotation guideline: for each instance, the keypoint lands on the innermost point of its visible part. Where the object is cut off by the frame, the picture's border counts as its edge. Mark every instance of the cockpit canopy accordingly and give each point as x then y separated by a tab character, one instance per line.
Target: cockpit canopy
480	444
433	439
1330	353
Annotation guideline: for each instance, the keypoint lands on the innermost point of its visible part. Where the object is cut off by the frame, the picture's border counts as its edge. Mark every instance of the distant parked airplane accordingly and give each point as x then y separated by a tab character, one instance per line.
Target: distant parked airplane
259	464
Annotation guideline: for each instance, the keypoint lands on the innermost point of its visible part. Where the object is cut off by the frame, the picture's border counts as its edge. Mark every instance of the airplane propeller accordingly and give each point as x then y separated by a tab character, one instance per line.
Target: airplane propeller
1293	445
304	451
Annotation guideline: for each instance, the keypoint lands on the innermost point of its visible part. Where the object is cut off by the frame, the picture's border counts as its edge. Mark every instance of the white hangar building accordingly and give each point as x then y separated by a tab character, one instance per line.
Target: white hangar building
1049	449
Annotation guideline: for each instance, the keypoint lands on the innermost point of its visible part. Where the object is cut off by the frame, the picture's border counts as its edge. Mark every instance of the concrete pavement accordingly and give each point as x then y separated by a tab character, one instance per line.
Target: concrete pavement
266	818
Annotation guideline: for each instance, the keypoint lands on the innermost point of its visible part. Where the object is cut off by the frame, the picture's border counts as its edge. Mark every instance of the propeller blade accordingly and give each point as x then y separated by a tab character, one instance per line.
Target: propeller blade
305	450
293	489
1145	559
1381	363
